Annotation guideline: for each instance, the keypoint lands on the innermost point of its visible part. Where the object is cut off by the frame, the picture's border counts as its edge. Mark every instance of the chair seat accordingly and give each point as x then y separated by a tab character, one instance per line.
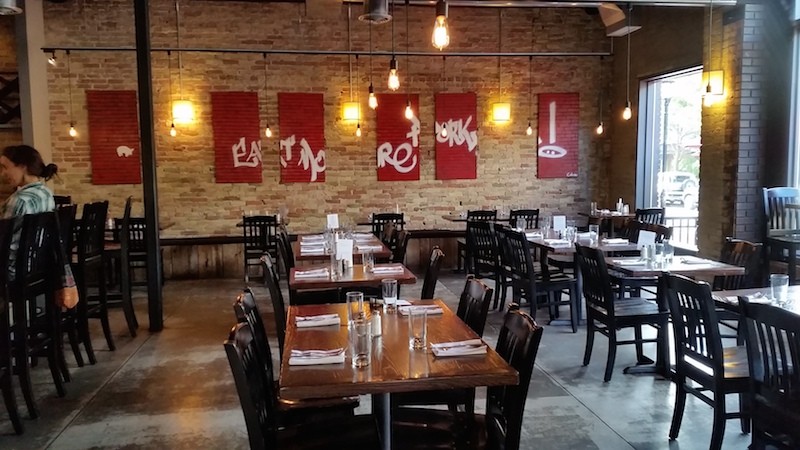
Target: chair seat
633	307
352	432
438	397
419	428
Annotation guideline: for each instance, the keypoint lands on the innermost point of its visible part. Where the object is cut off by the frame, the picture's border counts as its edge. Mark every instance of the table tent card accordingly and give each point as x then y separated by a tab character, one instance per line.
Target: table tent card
344	251
333	221
559	223
645	238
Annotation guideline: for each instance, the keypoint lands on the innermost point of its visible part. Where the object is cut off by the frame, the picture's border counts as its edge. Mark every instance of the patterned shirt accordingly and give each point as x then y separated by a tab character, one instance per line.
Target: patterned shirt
32	198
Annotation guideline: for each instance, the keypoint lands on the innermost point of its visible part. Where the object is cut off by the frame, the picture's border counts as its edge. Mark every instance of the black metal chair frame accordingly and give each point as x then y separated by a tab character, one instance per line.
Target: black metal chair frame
462	252
260	236
432	273
6	365
531	217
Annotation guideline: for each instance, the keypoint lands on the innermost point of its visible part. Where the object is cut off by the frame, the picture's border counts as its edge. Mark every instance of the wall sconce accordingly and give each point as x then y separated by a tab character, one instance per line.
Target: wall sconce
351	111
713	86
183	111
501	112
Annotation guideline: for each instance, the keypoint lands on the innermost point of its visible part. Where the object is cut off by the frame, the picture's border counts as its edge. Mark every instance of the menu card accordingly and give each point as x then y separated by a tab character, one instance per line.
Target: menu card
645	238
559	223
344	250
333	221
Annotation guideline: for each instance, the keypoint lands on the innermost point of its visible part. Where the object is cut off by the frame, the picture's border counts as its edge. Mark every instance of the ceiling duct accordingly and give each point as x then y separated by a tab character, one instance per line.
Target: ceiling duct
376	11
9	8
614	20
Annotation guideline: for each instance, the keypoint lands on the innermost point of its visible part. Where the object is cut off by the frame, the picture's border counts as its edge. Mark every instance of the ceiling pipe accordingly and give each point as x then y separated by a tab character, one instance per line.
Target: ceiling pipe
560	4
9	8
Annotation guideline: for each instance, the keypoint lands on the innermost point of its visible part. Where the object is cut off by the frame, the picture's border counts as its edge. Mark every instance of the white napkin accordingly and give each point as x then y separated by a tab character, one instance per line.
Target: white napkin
388	269
615	241
311	273
312	237
402	303
533	235
369	247
321	320
312	250
629	262
363	236
333	221
556	242
312	243
693	261
314	357
430	309
460	348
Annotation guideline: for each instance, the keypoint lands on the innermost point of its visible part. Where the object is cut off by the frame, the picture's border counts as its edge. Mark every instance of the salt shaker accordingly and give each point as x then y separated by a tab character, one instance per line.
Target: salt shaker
375	314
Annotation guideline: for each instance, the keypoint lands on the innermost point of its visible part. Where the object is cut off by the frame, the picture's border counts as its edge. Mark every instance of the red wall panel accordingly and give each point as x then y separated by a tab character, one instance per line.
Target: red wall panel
114	137
237	145
398	138
302	130
558	135
456	151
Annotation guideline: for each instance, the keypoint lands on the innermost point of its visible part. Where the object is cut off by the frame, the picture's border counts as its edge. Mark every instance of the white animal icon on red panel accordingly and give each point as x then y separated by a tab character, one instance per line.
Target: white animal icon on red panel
124	151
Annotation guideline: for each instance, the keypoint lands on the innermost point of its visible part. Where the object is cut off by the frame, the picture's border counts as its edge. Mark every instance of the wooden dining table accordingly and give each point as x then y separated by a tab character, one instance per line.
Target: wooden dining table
364	243
352	277
690	266
729	300
393	366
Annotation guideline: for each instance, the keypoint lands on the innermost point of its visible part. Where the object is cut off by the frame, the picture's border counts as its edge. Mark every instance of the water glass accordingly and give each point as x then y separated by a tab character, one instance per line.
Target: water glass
355	306
779	287
669	251
647	253
389	291
658	253
417	328
570	234
361	342
593	208
594	234
368	260
521	224
336	267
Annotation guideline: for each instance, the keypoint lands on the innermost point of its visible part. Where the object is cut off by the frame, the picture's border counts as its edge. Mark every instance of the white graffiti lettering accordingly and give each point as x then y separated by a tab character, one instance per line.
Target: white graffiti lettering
552	150
402	158
414	133
314	164
457	133
243	158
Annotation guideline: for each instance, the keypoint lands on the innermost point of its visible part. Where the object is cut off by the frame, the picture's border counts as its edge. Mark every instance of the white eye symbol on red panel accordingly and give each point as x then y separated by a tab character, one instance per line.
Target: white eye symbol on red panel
551	150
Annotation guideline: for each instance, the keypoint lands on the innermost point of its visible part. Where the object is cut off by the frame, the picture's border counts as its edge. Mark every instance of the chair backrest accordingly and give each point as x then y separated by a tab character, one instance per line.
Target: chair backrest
597	288
482	247
246	311
531	217
481	215
66	221
650	215
91	238
662	232
516	257
773	350
399	250
256	395
260	233
432	273
276	296
136	235
776	215
6	232
62	200
518	344
740	253
473	306
285	252
698	345
379	221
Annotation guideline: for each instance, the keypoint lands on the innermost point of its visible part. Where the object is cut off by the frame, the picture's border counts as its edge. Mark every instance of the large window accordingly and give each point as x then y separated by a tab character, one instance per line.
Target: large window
668	163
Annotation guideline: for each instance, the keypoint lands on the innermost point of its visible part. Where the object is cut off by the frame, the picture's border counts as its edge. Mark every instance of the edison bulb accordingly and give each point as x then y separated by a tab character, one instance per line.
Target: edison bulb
409	112
268	132
440	38
373	101
529	130
172	131
394	79
444	131
627	113
358	130
599	129
72	131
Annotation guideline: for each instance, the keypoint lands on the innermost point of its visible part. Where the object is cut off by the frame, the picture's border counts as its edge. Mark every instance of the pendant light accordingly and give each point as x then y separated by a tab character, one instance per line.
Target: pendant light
358	102
267	131
182	109
444	68
72	131
600	129
501	111
172	131
712	79
52	59
350	110
394	79
409	113
627	113
529	130
372	101
440	38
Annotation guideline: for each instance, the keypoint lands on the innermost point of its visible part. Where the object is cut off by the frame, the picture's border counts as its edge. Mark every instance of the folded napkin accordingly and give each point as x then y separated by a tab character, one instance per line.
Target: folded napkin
312	244
585	235
401	302
534	235
311	273
460	348
317	321
615	241
693	261
312	237
388	269
430	309
758	297
556	242
314	357
628	262
369	247
312	250
362	236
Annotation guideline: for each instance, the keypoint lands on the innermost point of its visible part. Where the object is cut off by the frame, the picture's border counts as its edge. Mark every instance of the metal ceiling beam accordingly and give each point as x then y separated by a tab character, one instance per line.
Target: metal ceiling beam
559	4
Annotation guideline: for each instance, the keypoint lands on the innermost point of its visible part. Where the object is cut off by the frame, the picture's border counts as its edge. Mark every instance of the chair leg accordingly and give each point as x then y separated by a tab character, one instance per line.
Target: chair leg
72	335
573	309
718	429
83	333
52	362
680	404
612	354
11	402
637	333
106	327
587	353
744	410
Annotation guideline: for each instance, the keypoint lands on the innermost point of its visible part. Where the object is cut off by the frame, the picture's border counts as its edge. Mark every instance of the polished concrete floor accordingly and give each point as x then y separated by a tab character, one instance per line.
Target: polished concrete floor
173	389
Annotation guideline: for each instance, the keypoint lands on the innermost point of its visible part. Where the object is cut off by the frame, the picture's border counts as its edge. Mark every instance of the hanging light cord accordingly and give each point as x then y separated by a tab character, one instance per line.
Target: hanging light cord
499	49
178	42
392	14
628	76
408	64
69	86
530	87
710	28
357	80
169	72
266	94
370	52
444	68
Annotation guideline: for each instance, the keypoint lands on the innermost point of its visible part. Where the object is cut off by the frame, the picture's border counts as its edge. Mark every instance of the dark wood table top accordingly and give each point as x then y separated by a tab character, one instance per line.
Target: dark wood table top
608	215
354	277
557	247
372	245
730	299
681	265
393	368
458	218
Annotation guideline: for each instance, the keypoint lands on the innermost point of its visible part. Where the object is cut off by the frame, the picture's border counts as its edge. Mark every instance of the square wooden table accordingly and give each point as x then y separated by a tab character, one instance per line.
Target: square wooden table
789	242
354	277
372	245
729	300
393	368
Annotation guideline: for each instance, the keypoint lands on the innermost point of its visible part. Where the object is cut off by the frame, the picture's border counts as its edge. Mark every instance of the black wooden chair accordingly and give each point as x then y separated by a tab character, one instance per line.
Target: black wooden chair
633	285
260	405
62	200
66	225
6	367
650	215
743	254
36	329
137	255
90	275
380	220
701	360
483	259
399	251
501	426
259	238
118	256
462	254
773	348
606	314
530	216
432	273
278	306
777	217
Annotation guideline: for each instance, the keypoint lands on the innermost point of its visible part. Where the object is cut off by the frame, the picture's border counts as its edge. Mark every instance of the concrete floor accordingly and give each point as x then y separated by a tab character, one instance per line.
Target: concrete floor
173	389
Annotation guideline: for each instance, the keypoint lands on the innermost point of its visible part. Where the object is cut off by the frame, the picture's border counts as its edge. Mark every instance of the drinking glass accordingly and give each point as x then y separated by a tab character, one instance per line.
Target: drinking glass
570	234
368	260
669	251
361	341
658	253
545	224
389	291
417	328
593	208
355	306
647	253
779	287
594	234
521	223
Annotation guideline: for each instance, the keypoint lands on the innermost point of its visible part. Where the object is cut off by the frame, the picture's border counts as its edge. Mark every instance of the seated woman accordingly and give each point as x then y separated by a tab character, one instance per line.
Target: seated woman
22	167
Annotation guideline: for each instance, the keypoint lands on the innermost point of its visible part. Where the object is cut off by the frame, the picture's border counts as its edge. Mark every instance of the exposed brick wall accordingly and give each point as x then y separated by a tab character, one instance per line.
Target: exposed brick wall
8	63
188	195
